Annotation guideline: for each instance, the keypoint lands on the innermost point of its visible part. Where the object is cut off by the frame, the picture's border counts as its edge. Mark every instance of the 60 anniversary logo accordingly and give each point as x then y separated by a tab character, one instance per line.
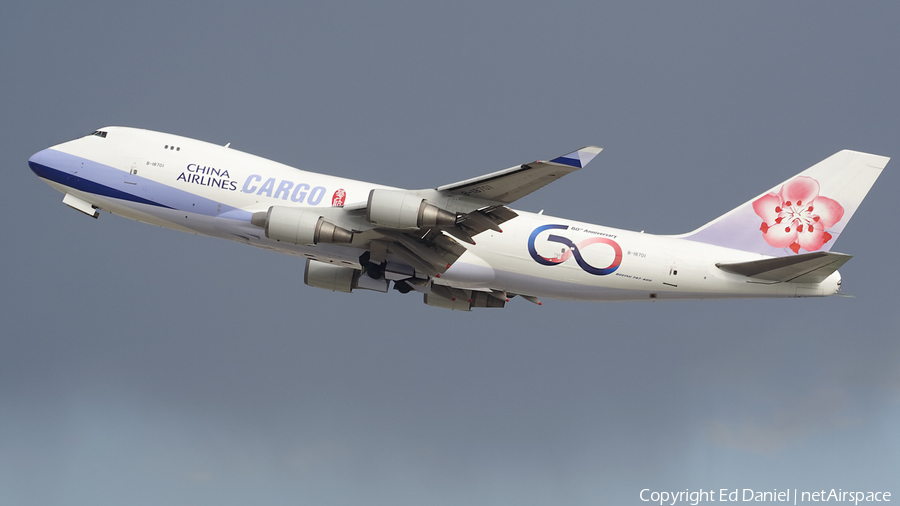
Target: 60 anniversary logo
574	250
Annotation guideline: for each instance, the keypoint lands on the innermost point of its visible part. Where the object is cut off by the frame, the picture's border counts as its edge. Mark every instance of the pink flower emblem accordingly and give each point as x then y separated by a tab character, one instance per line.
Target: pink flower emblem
797	216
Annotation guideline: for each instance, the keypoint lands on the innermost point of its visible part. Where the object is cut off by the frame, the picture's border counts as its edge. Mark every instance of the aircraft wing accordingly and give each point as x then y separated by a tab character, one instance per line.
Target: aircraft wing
504	187
478	205
507	186
806	268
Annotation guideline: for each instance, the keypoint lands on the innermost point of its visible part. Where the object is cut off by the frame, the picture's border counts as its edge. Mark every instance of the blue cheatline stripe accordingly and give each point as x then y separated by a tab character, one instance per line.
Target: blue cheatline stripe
86	185
574	162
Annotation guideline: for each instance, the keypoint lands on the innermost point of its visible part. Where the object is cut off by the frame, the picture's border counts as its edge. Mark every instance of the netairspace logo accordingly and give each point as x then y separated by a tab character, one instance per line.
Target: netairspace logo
749	495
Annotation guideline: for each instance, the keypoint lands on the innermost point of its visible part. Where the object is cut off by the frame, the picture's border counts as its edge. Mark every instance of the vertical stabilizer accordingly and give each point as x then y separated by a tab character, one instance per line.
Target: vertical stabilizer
803	214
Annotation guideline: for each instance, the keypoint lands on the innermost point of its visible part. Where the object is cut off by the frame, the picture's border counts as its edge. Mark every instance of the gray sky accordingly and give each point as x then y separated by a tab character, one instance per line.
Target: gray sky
140	365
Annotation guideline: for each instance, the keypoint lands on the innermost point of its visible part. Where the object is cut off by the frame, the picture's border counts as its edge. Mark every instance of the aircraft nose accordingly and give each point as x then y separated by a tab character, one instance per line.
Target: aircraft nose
50	164
37	161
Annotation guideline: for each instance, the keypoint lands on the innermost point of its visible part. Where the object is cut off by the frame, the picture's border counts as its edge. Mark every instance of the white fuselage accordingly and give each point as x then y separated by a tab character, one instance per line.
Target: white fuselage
194	186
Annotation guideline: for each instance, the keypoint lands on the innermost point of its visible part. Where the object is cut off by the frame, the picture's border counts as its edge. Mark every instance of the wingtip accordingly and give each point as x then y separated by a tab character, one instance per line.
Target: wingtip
579	158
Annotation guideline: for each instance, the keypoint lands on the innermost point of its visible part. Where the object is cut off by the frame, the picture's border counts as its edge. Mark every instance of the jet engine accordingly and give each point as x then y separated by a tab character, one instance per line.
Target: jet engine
300	226
336	278
340	278
399	209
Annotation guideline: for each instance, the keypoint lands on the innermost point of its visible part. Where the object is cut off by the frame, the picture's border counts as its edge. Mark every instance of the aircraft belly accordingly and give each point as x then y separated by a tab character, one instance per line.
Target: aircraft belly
469	271
525	284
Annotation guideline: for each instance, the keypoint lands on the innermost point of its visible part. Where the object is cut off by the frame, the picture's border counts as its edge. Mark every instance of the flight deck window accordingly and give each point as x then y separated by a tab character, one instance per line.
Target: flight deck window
99	133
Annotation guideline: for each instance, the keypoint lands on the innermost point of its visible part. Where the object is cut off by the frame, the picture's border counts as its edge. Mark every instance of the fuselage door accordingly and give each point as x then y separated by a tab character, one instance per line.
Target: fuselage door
671	276
131	169
136	171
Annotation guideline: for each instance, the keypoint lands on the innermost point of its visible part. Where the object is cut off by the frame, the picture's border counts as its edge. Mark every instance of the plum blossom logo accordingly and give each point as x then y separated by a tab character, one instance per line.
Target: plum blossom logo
797	216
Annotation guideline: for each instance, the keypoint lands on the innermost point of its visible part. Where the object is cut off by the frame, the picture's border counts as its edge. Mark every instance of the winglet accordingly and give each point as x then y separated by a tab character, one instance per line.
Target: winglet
579	158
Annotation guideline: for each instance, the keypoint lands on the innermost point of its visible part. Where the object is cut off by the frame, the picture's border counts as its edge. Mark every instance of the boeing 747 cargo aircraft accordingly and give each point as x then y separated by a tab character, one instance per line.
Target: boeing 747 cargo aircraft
460	244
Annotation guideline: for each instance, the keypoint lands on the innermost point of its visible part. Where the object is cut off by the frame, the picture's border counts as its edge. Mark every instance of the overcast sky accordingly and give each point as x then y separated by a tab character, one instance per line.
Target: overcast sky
144	366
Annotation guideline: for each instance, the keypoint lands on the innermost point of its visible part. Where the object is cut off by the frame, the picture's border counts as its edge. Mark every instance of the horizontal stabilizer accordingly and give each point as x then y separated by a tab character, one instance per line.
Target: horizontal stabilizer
805	268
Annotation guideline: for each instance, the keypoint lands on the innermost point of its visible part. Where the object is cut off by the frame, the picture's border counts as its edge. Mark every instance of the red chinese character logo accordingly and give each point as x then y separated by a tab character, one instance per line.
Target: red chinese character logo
337	200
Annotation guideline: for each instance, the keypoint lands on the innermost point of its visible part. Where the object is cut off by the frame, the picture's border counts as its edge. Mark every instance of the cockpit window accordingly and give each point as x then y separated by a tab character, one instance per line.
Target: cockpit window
99	133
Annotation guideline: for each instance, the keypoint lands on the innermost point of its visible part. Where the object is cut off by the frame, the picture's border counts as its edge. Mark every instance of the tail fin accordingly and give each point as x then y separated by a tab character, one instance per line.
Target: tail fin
805	213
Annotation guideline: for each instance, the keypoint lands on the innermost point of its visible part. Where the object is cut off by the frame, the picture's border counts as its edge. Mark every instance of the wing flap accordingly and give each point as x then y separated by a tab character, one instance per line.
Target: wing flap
806	268
431	254
487	218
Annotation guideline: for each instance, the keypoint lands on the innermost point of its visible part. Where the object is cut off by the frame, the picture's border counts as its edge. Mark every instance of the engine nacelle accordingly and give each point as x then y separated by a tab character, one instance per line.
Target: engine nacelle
399	209
337	278
300	226
340	278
